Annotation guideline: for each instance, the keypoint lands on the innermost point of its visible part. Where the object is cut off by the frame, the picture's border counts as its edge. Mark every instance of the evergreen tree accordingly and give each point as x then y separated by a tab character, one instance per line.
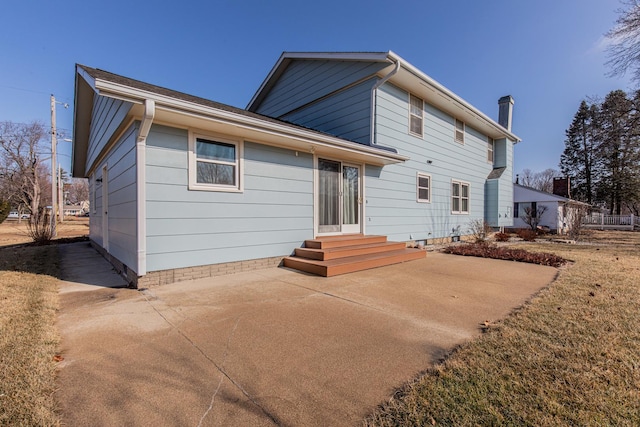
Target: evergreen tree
579	159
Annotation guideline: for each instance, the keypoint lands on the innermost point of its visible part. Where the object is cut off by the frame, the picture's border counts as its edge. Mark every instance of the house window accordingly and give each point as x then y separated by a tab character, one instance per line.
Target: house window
423	186
459	197
214	164
416	107
516	207
459	134
490	147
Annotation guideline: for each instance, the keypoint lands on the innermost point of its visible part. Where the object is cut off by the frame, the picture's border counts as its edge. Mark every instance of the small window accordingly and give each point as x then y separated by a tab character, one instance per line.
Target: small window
490	147
516	208
459	197
423	185
214	164
416	107
459	135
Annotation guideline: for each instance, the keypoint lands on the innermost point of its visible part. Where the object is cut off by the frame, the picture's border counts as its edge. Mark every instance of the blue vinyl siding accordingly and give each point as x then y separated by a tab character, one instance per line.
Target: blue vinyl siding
305	81
505	191
346	115
108	114
391	205
271	217
122	208
492	202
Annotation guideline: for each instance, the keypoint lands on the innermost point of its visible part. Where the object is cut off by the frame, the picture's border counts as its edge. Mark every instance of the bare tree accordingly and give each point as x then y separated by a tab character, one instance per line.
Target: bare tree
624	50
575	217
78	190
22	175
542	181
533	215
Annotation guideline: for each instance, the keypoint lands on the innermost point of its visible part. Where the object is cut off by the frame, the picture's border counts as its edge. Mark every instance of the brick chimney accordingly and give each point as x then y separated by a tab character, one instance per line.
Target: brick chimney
562	187
505	111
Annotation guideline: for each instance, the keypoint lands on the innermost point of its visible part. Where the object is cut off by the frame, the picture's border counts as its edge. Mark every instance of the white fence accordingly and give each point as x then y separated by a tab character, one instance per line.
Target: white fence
611	222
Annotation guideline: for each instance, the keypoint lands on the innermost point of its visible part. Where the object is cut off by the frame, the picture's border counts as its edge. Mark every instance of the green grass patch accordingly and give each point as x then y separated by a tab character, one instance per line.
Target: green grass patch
28	337
571	356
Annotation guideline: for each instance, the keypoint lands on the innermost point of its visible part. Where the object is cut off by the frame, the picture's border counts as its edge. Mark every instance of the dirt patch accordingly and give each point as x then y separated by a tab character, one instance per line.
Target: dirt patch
13	232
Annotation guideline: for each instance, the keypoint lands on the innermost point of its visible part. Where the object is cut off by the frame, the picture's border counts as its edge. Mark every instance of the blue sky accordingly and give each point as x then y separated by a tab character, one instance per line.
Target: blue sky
547	54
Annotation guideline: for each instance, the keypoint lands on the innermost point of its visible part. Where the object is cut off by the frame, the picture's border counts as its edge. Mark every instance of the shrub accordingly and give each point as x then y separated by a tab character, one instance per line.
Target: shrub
39	227
479	229
501	237
527	235
494	252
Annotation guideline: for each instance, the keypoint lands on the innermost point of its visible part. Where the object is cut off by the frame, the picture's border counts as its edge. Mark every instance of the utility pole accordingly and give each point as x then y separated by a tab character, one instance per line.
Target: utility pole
54	168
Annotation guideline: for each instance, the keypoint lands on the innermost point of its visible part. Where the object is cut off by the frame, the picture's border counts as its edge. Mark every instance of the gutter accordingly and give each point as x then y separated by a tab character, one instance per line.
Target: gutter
141	214
374	95
168	103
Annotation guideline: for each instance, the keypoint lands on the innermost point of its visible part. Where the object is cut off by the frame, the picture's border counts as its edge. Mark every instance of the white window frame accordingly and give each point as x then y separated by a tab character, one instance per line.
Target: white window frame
418	187
413	116
491	149
458	131
460	197
193	159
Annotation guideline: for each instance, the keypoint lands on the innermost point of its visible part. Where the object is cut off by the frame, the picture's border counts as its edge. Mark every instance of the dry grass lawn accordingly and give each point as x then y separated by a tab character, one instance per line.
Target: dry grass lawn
569	357
28	337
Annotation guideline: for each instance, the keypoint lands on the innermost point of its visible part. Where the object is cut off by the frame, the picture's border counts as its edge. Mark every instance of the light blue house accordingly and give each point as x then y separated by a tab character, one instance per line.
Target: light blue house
331	144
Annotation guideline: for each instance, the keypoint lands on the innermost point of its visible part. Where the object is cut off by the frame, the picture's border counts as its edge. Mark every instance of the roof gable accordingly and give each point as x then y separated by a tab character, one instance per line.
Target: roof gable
408	78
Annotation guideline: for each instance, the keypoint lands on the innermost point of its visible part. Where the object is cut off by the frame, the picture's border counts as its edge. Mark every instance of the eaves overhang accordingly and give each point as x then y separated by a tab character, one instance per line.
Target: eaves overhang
242	124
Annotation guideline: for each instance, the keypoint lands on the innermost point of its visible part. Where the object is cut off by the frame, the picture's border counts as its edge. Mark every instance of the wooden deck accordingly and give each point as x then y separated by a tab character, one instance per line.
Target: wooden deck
334	255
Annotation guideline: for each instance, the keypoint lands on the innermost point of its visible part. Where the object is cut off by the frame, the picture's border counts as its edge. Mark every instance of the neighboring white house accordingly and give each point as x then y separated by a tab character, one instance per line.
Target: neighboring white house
557	216
331	144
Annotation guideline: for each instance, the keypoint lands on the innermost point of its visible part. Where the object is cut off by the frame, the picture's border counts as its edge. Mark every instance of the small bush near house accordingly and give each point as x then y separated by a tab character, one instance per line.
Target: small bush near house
494	252
479	229
527	235
501	237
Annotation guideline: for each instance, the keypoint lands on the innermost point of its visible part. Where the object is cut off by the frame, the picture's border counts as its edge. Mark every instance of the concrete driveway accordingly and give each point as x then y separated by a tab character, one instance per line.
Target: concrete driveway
269	347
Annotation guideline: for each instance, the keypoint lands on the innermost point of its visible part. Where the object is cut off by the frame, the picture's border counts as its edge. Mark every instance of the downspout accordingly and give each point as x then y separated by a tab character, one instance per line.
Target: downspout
141	218
374	94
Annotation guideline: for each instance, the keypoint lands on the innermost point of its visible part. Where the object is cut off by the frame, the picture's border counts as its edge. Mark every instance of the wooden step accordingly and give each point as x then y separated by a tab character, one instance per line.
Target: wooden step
347	251
353	263
326	242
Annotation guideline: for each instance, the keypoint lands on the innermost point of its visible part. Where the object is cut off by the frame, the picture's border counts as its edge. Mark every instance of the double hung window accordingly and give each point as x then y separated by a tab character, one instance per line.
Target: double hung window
416	106
423	188
459	197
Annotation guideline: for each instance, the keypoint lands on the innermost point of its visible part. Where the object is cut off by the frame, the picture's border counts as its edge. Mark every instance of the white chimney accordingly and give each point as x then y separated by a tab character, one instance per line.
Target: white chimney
505	112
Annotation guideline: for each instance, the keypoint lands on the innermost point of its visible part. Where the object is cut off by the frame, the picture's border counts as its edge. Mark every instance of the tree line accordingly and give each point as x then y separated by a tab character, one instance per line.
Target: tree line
602	152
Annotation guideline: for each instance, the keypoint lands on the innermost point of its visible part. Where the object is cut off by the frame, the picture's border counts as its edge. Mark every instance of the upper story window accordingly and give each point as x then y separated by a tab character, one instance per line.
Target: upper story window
459	132
416	108
490	148
214	164
423	185
459	197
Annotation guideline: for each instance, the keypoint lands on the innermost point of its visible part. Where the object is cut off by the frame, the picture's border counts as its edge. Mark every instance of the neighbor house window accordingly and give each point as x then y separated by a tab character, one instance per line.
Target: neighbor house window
214	164
459	133
459	197
490	147
423	185
415	115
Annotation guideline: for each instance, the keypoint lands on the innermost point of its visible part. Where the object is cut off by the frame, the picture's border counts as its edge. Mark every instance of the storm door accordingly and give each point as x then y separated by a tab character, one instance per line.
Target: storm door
339	197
